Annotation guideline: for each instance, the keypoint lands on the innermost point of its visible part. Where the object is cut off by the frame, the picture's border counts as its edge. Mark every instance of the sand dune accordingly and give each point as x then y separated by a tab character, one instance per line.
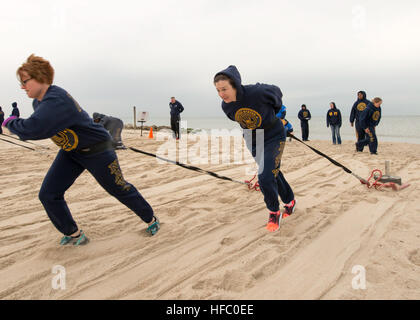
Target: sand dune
213	244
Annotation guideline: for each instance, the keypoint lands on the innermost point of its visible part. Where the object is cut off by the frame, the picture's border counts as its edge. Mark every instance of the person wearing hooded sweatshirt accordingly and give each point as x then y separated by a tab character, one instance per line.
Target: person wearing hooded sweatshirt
114	127
176	109
15	110
334	121
255	107
304	116
358	107
369	119
83	144
1	120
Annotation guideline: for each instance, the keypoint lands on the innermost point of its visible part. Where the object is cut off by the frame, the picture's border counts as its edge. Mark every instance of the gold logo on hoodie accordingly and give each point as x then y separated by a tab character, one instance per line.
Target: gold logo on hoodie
248	118
376	115
66	139
361	106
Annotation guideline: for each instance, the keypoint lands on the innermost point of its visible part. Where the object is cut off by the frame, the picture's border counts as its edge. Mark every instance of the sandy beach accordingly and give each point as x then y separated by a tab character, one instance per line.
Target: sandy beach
213	243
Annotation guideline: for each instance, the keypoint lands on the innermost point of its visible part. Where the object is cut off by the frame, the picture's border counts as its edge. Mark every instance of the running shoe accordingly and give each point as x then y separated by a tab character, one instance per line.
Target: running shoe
289	208
273	221
81	239
154	227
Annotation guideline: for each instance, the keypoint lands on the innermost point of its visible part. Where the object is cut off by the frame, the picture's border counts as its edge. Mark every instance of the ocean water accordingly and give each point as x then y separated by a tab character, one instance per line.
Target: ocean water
391	128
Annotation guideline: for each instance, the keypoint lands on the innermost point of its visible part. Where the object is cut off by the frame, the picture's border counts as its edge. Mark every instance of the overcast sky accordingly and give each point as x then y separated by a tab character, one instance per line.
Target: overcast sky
112	55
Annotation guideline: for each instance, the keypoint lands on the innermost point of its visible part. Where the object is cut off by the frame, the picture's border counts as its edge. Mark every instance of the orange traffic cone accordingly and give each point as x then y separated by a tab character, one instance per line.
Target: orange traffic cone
151	133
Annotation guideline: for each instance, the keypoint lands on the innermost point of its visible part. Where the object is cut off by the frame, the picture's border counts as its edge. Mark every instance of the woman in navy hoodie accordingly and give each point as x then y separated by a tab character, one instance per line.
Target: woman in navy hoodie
255	107
334	121
83	145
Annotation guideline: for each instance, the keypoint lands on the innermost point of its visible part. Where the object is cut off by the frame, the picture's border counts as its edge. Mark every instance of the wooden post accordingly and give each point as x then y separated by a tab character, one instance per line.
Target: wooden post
135	122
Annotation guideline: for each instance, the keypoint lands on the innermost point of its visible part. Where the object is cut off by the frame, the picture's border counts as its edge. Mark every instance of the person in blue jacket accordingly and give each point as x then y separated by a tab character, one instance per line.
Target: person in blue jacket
1	119
304	116
334	121
84	145
288	128
358	107
15	110
255	107
282	113
176	109
368	121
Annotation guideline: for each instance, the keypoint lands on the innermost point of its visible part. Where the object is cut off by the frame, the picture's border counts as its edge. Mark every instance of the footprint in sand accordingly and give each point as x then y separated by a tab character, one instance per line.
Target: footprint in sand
414	257
236	280
227	241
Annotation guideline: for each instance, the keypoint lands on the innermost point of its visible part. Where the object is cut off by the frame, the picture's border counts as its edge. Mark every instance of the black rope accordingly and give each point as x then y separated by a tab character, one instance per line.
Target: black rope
18	144
186	166
322	154
25	141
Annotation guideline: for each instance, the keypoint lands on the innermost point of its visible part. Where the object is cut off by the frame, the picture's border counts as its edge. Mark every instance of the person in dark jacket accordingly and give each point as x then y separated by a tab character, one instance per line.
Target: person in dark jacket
176	109
369	119
1	119
255	107
15	110
114	127
84	145
358	107
304	116
334	121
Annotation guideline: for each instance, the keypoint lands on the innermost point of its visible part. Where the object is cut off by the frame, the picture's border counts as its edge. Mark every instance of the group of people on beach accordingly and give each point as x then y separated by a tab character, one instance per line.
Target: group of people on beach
365	115
86	144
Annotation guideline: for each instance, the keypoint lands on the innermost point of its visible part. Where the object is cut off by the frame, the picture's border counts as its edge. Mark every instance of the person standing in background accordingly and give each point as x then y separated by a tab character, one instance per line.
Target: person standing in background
334	121
358	107
369	119
15	111
176	109
304	117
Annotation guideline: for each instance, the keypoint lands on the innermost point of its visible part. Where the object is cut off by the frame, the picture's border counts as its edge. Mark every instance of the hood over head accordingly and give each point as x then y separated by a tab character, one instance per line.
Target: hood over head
233	73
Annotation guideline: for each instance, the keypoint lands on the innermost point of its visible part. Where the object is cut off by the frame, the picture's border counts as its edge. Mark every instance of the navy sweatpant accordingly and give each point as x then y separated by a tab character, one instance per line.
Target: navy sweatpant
271	180
360	133
104	166
305	130
370	140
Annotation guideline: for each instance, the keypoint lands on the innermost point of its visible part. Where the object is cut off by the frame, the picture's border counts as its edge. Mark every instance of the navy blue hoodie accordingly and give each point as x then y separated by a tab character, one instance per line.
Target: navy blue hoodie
358	107
59	117
370	117
176	108
256	105
334	117
304	115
